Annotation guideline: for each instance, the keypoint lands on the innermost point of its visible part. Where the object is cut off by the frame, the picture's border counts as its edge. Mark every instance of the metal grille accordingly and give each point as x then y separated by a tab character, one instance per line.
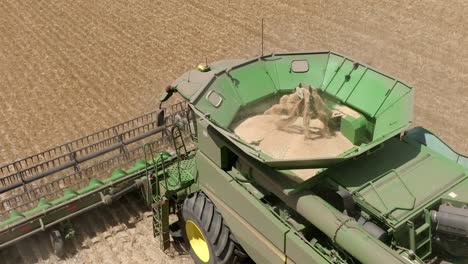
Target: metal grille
46	175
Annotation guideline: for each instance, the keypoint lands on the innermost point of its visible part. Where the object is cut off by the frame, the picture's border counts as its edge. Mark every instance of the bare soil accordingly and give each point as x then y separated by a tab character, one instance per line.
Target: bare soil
69	68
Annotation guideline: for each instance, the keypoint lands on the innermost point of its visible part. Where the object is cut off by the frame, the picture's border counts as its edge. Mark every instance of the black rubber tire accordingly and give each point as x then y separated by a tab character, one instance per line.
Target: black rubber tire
199	209
58	243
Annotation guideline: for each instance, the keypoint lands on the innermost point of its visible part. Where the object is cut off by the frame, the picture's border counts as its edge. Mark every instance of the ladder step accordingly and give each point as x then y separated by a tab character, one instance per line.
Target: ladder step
423	243
422	228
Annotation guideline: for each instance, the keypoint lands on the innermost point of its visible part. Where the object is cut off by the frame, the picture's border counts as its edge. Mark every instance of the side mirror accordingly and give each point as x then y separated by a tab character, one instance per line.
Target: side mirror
160	118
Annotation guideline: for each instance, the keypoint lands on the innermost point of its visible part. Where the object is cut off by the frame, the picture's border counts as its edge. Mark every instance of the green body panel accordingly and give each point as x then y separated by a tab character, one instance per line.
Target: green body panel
420	135
354	129
335	86
457	195
407	177
333	66
252	89
394	115
370	93
263	235
347	86
225	90
215	181
287	79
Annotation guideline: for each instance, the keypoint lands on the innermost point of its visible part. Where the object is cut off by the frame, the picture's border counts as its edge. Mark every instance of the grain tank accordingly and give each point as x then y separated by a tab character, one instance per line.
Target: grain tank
308	158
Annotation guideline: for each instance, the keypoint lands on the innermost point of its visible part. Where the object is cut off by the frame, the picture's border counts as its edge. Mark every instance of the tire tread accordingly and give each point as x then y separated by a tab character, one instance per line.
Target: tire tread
200	206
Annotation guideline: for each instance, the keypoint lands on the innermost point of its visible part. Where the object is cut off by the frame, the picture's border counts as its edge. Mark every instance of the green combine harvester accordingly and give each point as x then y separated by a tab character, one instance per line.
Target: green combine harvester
284	158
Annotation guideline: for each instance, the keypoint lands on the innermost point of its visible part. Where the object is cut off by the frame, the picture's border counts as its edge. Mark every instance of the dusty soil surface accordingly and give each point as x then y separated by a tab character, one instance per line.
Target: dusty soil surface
69	68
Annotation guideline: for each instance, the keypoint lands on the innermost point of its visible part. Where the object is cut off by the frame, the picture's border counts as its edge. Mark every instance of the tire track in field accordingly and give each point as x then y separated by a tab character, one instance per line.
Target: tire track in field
87	62
18	70
90	12
335	23
102	70
34	80
171	48
239	23
142	30
7	80
126	66
67	62
19	21
395	46
43	43
159	51
101	89
423	32
114	56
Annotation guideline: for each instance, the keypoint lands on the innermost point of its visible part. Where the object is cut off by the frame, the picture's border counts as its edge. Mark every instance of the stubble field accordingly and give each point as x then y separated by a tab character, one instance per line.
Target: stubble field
70	68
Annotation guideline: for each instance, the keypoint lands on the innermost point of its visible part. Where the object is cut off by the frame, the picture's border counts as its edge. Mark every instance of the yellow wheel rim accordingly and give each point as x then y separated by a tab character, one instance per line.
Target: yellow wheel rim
197	241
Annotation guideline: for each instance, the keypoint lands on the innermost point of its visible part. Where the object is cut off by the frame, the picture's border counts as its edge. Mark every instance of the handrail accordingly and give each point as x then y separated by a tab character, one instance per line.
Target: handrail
27	173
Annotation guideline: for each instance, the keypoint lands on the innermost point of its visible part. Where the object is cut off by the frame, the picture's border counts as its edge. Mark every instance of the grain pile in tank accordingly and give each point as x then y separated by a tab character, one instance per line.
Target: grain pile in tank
299	126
